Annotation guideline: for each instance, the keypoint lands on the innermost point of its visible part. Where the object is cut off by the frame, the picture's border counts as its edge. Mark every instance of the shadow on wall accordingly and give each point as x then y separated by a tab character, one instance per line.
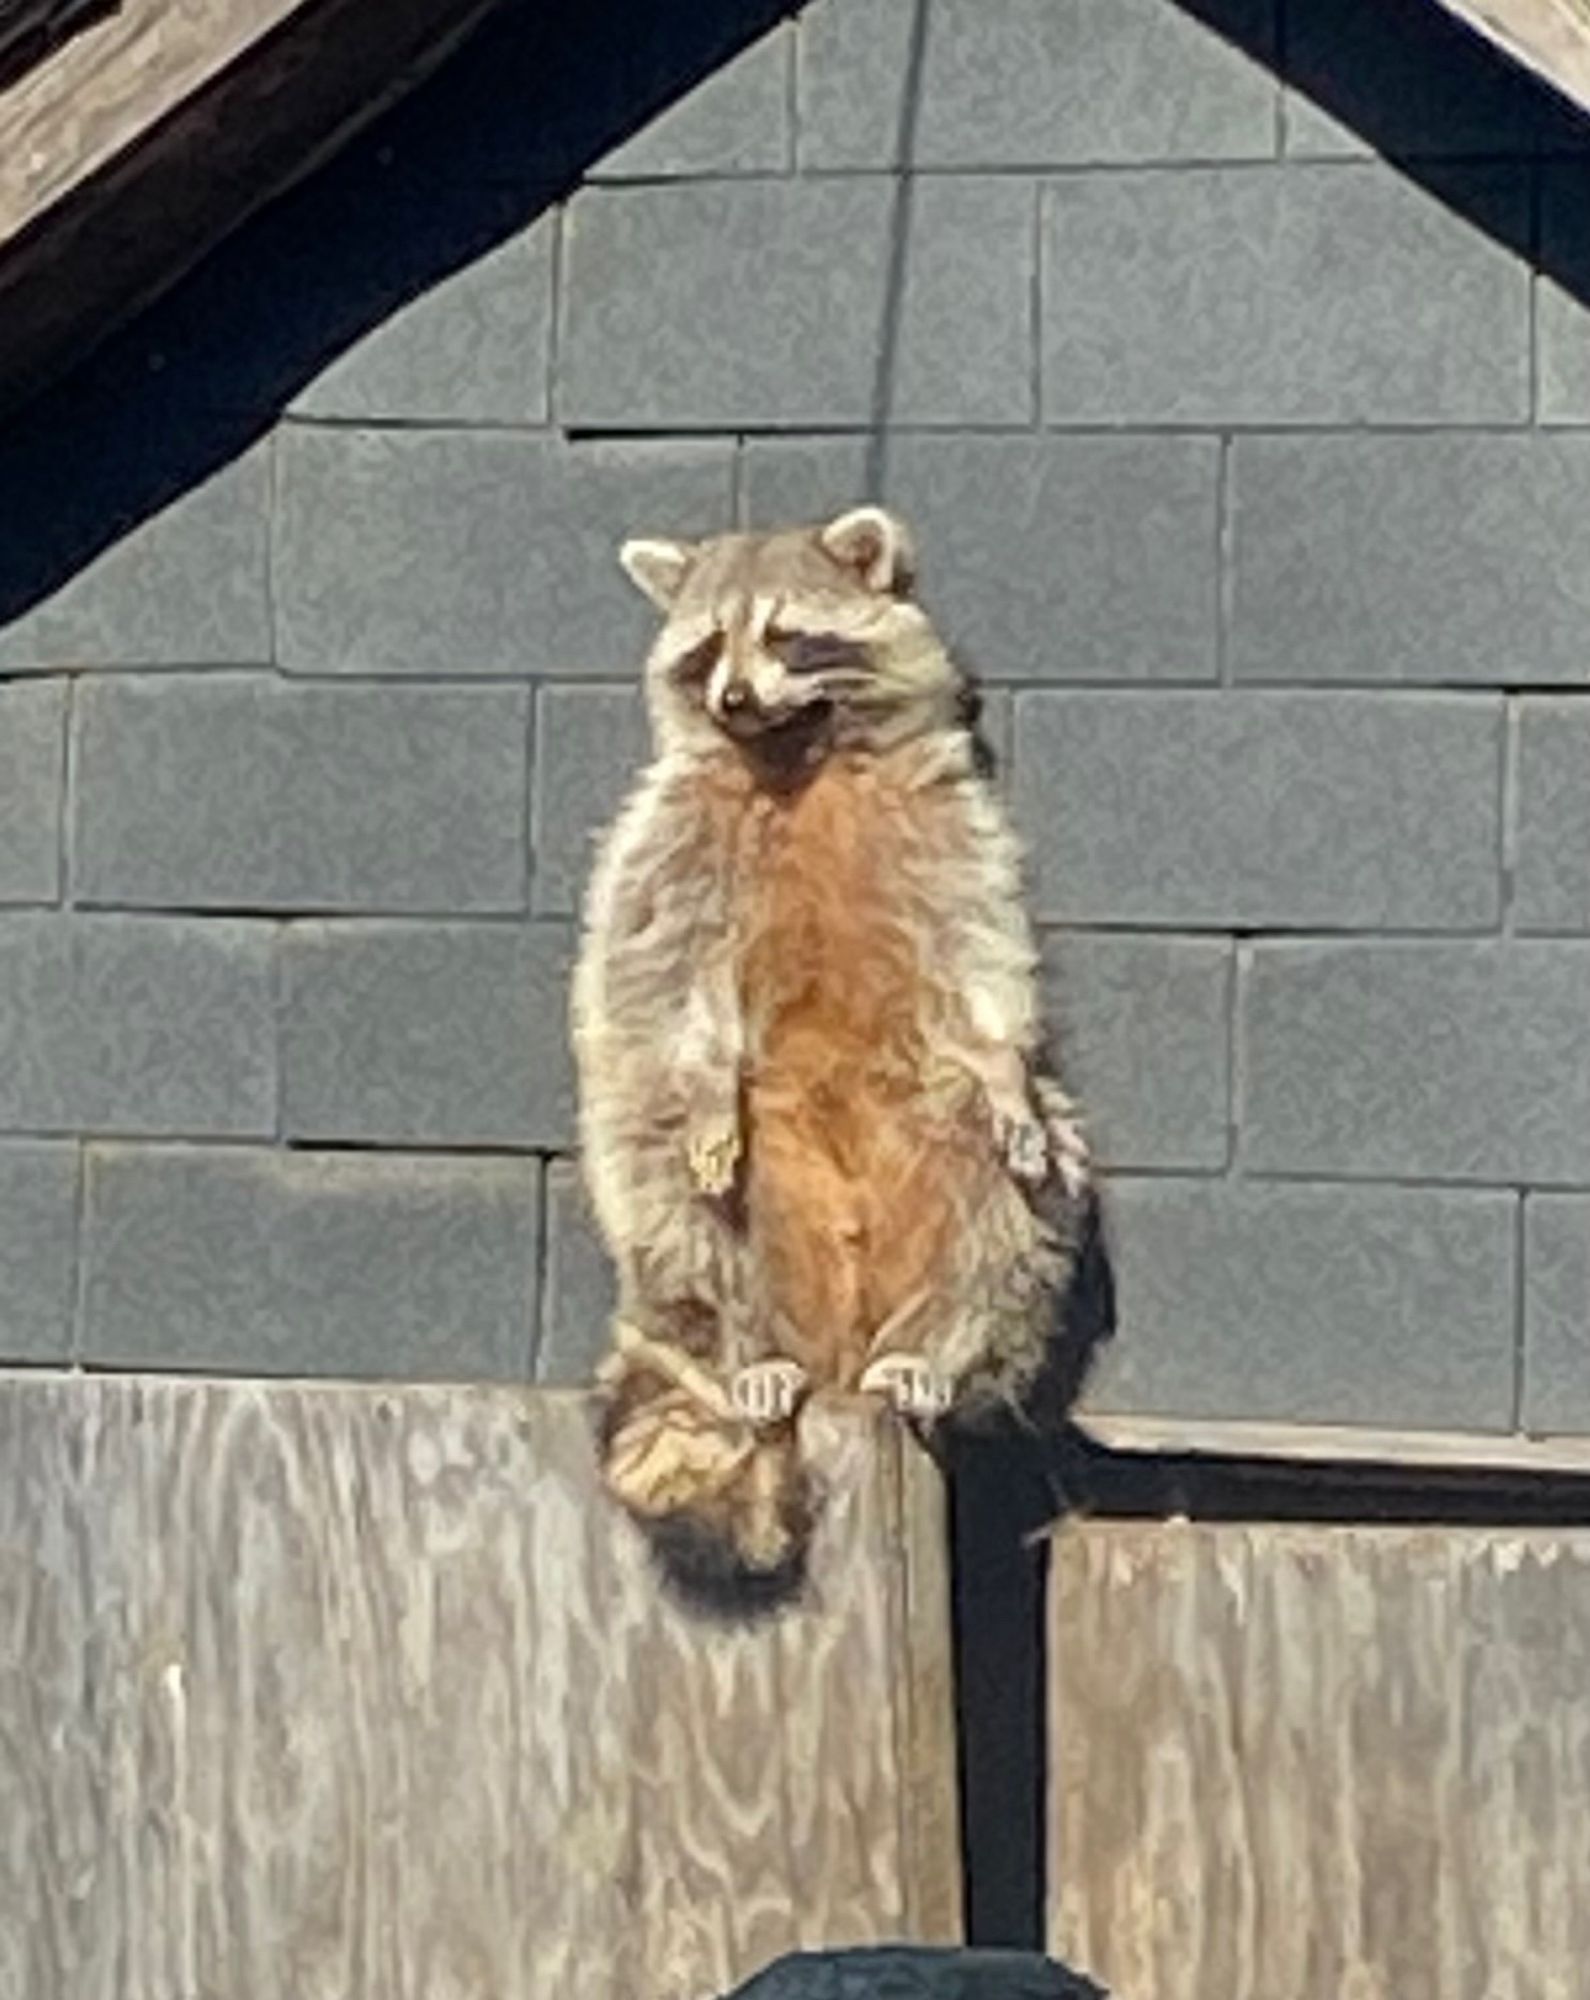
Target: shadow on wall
509	126
511	123
502	131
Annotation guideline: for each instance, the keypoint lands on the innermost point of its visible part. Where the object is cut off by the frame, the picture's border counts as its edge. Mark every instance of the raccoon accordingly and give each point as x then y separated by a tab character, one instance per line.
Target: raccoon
819	1133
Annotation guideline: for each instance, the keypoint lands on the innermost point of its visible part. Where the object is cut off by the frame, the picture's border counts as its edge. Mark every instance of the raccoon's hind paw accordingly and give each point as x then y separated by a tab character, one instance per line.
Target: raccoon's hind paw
911	1384
713	1153
768	1392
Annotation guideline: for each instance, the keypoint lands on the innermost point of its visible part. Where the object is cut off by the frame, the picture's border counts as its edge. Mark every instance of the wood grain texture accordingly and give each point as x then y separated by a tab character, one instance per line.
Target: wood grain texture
327	1693
132	149
1321	1761
1550	37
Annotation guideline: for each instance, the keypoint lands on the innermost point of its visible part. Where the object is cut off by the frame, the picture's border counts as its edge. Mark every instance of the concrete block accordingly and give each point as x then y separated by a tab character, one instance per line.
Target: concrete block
427	1034
185	587
1331	294
591	743
38	1251
1388	1307
1143	1032
271	1263
1208	810
250	793
136	1025
468	553
1453	1061
1413	559
32	776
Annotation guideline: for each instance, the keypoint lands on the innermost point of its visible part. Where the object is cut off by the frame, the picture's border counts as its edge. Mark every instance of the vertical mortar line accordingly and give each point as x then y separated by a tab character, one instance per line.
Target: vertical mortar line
1035	303
279	1002
1536	191
737	481
1225	567
272	495
66	824
66	896
792	95
877	466
1520	1304
1507	859
556	332
538	1293
1279	49
527	829
77	1312
1237	985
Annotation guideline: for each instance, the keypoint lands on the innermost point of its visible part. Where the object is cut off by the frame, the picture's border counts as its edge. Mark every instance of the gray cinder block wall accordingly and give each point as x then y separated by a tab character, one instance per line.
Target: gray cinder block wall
1242	384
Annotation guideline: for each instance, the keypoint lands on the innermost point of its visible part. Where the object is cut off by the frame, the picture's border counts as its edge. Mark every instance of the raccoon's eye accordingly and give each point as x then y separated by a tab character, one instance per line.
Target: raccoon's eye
694	666
816	652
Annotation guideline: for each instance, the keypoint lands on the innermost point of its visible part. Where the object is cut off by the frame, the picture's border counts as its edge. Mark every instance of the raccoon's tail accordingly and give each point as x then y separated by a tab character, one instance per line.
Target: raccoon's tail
728	1511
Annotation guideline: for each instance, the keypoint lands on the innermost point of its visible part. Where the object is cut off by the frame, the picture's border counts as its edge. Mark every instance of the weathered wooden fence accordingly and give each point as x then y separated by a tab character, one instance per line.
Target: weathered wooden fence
335	1693
1321	1762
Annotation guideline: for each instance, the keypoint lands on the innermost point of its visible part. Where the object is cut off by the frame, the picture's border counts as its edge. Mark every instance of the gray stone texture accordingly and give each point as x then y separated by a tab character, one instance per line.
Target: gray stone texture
1436	559
1556	1313
591	743
697	348
457	552
735	121
427	1034
32	770
805	479
1142	1025
1294	811
271	1263
474	349
1046	558
1034	83
1461	1061
1338	293
1387	1307
1562	316
1551	890
186	587
578	1296
136	1025
248	792
38	1251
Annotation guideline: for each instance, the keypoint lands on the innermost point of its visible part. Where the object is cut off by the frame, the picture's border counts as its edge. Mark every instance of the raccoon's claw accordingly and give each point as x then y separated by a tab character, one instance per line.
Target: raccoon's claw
713	1154
1026	1145
768	1392
912	1385
1067	1148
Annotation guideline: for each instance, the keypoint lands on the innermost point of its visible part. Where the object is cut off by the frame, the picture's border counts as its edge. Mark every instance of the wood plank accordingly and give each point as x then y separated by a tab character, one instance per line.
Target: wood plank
1350	1762
1550	37
362	1693
154	131
1443	1451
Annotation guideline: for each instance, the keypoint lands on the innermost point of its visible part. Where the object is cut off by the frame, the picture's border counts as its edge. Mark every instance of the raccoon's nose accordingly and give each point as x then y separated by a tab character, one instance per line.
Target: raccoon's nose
735	697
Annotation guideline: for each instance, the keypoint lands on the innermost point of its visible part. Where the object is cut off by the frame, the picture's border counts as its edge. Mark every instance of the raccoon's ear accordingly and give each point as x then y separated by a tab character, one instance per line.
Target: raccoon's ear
657	568
876	545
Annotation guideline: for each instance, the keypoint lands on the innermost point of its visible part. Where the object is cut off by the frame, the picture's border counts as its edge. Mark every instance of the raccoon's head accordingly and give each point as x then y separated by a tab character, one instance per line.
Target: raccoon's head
792	644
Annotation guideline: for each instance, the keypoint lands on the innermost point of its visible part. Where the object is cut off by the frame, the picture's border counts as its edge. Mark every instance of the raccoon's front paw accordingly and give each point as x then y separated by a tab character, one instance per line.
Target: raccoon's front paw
768	1392
911	1384
713	1153
1066	1143
1024	1144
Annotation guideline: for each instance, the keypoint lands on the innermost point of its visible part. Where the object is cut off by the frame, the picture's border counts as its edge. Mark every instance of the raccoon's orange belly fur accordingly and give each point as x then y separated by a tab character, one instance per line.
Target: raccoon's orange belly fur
856	1176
